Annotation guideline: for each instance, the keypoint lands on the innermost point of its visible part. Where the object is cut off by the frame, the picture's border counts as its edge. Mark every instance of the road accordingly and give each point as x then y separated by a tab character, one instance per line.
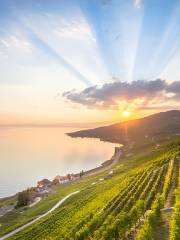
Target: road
38	218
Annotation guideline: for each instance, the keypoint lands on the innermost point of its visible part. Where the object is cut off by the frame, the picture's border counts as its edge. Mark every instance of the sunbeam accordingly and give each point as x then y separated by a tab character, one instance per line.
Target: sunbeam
169	44
97	54
108	33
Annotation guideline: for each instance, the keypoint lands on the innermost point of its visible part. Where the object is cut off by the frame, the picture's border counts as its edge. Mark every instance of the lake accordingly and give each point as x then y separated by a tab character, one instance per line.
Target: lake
28	155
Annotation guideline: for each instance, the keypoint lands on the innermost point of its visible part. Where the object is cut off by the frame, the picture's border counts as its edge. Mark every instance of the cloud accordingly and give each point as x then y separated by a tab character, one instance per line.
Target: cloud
74	30
43	45
15	41
174	87
137	94
137	3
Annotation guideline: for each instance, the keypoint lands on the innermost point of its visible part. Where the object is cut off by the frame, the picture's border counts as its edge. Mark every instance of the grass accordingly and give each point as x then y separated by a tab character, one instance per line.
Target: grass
18	217
8	201
76	212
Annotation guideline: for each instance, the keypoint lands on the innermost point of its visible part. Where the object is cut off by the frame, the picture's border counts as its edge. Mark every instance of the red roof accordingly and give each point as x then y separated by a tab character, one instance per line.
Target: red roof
61	178
44	182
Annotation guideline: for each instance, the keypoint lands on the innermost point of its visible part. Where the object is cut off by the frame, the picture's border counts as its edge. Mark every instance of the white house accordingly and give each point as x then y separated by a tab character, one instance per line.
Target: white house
60	179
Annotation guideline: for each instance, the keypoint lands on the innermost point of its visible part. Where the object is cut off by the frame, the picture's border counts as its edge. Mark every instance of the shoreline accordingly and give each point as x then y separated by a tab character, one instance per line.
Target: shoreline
105	164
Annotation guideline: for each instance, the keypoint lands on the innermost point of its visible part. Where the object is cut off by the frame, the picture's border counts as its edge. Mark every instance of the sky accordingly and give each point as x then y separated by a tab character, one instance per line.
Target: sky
83	61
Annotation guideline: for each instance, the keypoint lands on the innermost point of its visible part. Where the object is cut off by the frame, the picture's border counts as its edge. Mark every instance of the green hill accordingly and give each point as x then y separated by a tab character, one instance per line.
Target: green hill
126	204
158	126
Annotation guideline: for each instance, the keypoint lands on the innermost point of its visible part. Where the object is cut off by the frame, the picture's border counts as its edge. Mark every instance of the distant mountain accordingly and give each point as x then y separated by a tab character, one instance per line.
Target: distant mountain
156	126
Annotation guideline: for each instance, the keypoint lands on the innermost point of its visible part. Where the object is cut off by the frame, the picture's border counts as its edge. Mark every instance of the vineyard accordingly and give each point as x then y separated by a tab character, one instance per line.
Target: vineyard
124	205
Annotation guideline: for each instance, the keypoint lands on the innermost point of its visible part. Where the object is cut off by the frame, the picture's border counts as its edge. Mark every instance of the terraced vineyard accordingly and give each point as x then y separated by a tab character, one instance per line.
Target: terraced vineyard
125	205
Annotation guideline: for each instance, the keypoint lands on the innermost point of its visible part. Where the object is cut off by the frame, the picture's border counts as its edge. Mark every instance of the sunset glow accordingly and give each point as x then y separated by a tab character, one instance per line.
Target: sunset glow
89	119
61	63
126	114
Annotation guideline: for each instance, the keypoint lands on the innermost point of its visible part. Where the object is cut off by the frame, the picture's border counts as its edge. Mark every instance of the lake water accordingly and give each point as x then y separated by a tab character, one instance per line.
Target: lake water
31	154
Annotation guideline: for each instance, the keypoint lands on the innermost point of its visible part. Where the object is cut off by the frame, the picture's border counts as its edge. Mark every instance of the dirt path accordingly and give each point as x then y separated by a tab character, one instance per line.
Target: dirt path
162	228
38	218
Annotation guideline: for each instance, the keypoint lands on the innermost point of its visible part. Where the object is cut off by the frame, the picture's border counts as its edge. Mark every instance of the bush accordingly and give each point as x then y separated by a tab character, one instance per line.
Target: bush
24	198
146	232
175	223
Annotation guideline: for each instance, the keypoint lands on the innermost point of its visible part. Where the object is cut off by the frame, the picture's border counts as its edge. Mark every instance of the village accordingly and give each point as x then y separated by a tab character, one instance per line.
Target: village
33	195
45	186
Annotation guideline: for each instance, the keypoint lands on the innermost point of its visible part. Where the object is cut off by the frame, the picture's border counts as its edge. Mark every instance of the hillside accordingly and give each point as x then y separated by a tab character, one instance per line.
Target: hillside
127	204
158	126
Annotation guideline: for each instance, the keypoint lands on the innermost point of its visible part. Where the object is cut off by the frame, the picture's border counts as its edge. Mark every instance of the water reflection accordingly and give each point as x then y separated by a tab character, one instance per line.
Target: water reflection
30	154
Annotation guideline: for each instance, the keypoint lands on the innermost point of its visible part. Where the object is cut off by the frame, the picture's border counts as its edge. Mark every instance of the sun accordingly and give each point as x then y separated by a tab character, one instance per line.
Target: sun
125	113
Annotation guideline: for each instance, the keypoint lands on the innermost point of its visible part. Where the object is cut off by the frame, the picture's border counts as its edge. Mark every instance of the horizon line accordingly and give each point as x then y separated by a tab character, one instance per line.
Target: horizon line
52	125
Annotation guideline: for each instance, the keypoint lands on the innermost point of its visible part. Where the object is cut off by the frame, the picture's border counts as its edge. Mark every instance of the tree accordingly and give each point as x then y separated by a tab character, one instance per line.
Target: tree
25	197
69	176
81	173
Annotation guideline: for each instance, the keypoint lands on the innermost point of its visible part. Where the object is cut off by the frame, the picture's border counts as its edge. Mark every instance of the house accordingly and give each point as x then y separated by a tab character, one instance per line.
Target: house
157	145
61	179
44	183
